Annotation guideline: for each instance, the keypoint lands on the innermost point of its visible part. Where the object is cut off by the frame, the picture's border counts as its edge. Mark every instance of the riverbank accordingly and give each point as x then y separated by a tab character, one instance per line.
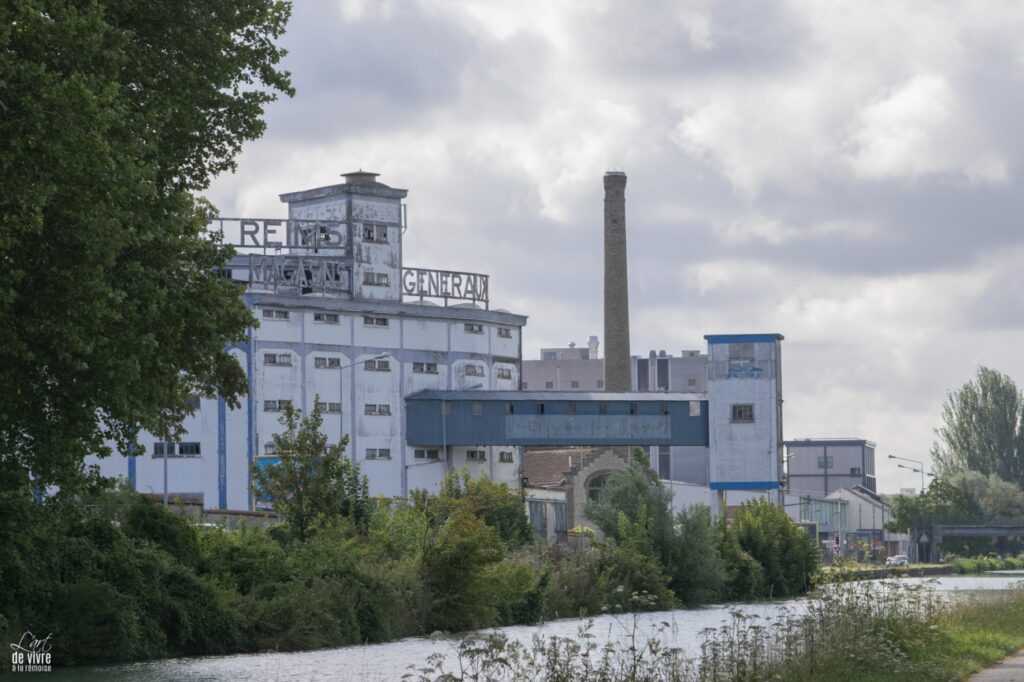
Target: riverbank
392	660
868	572
849	632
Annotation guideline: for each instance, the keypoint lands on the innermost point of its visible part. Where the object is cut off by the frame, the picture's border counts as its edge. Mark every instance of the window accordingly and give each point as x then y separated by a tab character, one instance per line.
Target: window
378	453
424	368
425	454
525	385
505	456
327	363
855	471
275	314
550	355
549	384
189	449
505	332
279	359
596	486
476	455
503	373
270	448
276	405
574	384
159	449
377	365
478	409
825	462
375	232
369	321
193	401
743	414
691	384
474	370
326	318
600	383
561	525
375	279
379	410
329	408
474	328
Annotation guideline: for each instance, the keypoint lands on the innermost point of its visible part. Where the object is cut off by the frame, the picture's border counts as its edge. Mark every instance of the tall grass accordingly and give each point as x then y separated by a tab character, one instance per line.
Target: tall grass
846	631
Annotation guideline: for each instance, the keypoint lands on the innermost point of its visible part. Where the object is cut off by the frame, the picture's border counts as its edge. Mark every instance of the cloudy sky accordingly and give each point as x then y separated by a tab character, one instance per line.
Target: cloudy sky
846	174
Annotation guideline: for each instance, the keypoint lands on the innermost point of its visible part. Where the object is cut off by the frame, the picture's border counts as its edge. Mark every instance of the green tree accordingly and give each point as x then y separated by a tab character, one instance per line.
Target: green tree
111	114
982	429
313	484
787	554
493	503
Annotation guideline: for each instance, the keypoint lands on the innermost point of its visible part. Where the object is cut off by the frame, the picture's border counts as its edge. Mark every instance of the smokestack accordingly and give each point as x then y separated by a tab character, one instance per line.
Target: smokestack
616	287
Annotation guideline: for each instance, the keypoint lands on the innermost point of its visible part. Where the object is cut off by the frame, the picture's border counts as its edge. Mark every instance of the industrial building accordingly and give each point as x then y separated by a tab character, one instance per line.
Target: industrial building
820	466
343	322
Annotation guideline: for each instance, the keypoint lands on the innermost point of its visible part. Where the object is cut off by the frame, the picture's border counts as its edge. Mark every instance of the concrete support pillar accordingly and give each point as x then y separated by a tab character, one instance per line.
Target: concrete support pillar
616	286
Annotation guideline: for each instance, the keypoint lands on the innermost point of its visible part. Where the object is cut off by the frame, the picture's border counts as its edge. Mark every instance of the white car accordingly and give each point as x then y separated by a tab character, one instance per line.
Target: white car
897	560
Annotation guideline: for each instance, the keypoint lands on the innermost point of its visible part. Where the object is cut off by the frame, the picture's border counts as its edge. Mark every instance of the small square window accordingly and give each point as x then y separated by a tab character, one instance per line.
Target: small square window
189	449
271	406
574	384
377	366
160	449
474	328
825	462
375	279
370	321
474	370
193	402
505	457
549	385
476	455
505	332
855	471
742	414
691	383
503	373
326	318
275	314
600	383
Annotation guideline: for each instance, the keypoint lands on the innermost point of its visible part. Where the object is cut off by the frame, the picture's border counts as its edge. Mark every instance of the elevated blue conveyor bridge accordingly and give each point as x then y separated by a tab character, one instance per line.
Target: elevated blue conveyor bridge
550	418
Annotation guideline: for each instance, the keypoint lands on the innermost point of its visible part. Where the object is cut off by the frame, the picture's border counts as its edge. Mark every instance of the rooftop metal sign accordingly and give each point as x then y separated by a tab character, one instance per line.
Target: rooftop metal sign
277	233
445	284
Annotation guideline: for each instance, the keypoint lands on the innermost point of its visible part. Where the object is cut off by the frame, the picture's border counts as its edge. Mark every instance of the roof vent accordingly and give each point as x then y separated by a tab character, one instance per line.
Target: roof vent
360	177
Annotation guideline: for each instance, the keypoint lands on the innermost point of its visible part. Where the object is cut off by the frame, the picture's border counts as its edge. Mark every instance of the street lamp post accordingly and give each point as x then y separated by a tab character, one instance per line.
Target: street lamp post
918	462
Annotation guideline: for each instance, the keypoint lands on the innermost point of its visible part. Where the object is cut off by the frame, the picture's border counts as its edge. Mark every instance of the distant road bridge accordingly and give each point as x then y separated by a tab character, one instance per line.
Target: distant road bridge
940	532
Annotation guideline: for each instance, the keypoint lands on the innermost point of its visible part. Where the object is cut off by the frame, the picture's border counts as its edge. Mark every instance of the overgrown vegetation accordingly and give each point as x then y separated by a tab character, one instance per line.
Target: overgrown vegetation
847	631
115	576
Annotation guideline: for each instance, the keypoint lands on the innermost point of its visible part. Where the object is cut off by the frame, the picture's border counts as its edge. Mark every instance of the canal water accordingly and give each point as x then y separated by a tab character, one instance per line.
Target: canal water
391	660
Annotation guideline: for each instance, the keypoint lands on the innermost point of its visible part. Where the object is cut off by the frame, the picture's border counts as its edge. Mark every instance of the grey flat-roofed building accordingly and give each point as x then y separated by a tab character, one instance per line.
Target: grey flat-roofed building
819	466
